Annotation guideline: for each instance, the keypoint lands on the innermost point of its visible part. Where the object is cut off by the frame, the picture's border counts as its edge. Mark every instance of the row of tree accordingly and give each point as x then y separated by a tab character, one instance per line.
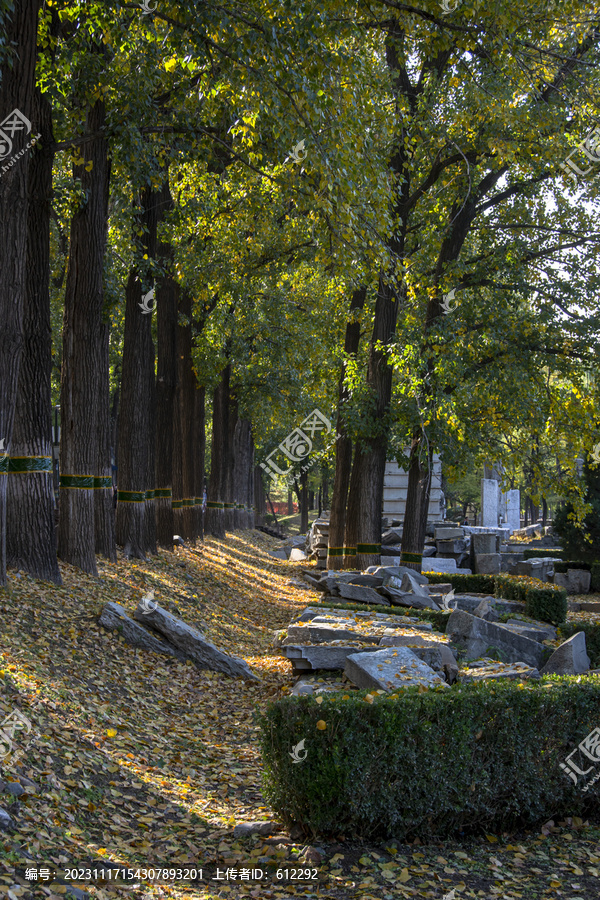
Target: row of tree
233	217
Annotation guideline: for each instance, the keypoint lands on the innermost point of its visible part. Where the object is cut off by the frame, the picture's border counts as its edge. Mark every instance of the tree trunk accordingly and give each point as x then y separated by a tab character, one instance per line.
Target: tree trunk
186	399
17	98
83	331
290	503
30	531
364	508
136	427
260	507
228	475
343	446
215	510
199	458
243	459
104	511
167	300
304	503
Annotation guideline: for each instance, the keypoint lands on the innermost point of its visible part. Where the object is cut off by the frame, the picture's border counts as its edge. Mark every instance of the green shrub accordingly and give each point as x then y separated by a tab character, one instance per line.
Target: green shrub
465	584
543	601
533	552
592	638
581	539
572	564
480	757
595	582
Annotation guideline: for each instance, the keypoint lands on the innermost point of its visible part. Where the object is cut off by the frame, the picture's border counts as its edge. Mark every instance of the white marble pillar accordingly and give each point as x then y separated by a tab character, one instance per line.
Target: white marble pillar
489	502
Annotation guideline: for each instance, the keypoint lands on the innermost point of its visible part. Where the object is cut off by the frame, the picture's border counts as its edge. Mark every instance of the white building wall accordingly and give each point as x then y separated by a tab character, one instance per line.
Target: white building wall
395	489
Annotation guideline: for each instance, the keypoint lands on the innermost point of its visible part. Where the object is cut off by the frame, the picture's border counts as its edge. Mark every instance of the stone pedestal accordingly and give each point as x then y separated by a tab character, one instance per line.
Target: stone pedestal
511	509
489	502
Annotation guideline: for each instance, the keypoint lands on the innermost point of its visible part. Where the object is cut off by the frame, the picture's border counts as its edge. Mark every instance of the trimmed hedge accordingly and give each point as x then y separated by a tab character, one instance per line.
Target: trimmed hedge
595	582
572	564
592	638
467	584
543	601
480	757
532	552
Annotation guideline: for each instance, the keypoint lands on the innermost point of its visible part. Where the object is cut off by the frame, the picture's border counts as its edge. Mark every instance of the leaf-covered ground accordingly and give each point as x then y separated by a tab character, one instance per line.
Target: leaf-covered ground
139	761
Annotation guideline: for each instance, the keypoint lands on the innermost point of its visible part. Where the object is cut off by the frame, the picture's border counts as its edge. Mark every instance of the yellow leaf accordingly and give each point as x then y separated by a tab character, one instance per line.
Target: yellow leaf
111	732
319	700
404	876
492	839
321	725
113	768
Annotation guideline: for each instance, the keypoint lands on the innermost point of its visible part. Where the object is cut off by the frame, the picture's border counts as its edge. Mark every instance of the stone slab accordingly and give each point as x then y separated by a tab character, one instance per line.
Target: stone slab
451	546
318	633
585	606
487	542
549	632
114	618
387	572
487	563
390	669
408	599
575	581
511	503
307	657
478	635
489	502
297	554
195	646
360	594
445	533
437	654
493	671
570	658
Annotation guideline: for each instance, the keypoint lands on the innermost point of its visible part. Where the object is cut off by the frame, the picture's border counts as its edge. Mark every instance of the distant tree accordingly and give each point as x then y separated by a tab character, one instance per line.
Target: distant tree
581	538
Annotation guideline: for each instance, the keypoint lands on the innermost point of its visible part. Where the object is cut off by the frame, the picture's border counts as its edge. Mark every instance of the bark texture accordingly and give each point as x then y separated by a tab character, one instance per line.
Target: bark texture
83	331
17	90
343	446
31	532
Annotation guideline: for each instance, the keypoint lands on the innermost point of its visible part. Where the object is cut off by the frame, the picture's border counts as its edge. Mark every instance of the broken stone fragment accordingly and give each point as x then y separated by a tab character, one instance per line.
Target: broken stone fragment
570	658
390	669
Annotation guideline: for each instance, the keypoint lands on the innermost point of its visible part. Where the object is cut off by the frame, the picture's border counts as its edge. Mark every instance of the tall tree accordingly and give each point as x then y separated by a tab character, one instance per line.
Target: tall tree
30	531
137	405
343	446
17	86
82	383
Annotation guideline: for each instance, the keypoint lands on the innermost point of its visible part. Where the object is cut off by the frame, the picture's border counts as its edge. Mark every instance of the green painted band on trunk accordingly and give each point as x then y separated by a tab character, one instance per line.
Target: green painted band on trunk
212	505
229	505
197	501
349	551
150	495
335	551
177	504
162	494
188	502
131	496
102	482
368	548
410	557
83	482
18	465
239	506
